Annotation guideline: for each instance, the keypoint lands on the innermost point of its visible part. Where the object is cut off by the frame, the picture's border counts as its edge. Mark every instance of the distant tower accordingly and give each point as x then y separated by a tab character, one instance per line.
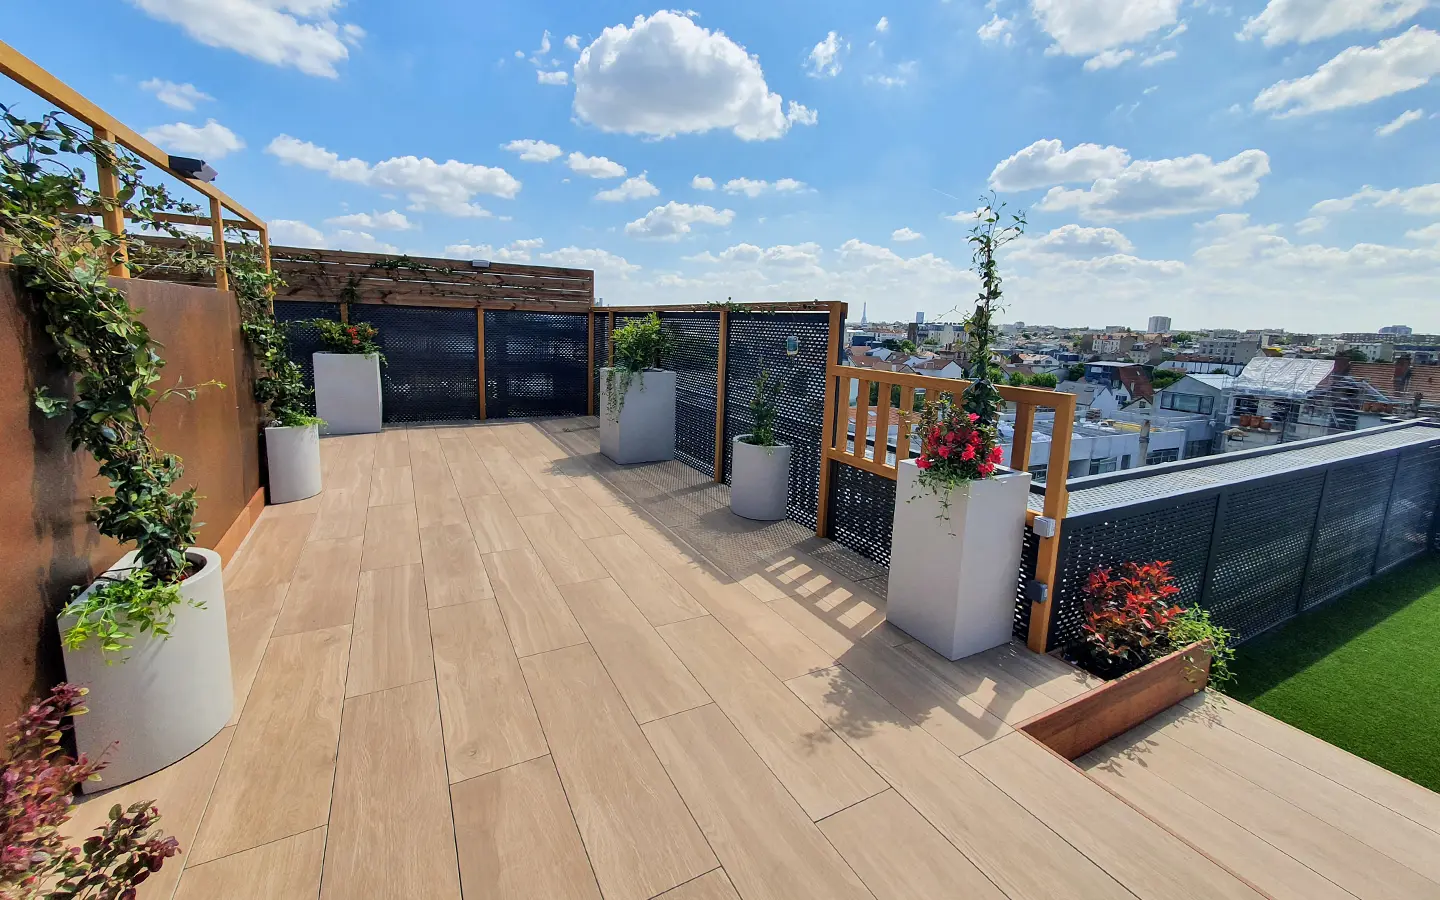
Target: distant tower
920	318
864	314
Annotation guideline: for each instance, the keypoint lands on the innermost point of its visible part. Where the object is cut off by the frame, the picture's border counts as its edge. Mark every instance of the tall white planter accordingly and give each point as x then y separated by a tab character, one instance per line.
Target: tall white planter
952	581
292	456
347	392
645	429
759	480
169	695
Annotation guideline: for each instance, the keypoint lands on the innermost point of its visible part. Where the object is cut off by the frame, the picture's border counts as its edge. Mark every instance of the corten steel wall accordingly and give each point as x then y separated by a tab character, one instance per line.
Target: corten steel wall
1258	537
46	544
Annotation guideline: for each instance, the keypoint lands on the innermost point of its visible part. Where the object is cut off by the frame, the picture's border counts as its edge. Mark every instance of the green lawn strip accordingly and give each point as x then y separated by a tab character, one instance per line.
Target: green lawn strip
1362	673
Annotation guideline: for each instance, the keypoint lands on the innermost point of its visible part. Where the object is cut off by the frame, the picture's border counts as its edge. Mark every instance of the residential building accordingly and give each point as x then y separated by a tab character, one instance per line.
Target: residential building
1127	379
1279	400
1399	330
1414	388
919	318
1159	325
1228	349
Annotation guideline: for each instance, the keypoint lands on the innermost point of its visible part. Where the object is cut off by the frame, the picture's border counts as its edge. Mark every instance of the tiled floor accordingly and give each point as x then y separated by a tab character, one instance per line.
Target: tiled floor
488	663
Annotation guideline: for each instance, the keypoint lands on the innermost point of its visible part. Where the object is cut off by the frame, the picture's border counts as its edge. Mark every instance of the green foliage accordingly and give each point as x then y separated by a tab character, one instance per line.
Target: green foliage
63	260
1044	380
349	337
1219	372
1076	372
763	410
1182	337
875	395
904	345
279	384
1018	379
639	345
1194	625
1163	378
116	610
988	236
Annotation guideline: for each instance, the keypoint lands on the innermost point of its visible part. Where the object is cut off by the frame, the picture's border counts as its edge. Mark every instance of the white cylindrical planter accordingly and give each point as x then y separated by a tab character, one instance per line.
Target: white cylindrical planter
168	696
645	428
759	480
292	457
347	392
953	580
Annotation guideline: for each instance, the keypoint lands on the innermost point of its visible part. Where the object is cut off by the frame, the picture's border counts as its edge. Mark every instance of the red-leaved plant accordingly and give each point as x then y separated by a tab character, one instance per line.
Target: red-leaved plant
37	790
1129	614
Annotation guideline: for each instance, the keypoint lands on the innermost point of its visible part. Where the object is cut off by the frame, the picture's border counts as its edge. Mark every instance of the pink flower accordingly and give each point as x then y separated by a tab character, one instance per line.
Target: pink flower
985	469
922	463
974	418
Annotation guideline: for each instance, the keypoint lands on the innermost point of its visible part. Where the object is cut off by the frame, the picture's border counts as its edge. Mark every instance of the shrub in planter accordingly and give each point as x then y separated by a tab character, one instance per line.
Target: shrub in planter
1131	619
760	464
37	784
959	519
347	377
637	422
63	261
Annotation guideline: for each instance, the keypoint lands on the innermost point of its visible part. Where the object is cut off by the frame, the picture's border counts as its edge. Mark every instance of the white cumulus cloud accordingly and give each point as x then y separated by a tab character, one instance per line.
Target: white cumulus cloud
1108	59
702	183
1305	21
303	34
559	76
594	166
516	252
883	25
1358	75
752	187
1422	200
1074	241
1400	121
905	234
997	30
673	220
1089	27
824	59
179	96
636	188
665	75
1047	162
209	142
601	261
293	233
532	150
1165	187
448	187
572	41
394	220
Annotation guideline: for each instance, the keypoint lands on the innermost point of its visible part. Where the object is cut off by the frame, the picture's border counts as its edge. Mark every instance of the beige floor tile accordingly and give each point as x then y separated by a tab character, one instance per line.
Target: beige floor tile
658	542
640	837
277	774
650	587
287	869
816	767
642	665
494	526
392	537
342	512
391	486
989	687
434	508
249	619
565	556
769	847
392	448
323	592
391	833
517	837
391	645
535	614
270	553
710	886
515	485
472	478
588	520
454	569
900	856
489	719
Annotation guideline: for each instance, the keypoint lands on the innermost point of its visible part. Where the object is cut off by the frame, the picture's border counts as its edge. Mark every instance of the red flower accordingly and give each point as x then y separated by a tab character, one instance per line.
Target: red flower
354	340
985	469
922	463
944	452
951	437
974	417
968	453
996	454
935	433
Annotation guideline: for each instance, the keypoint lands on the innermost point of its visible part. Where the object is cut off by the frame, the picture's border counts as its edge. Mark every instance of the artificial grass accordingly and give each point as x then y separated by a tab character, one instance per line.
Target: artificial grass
1362	673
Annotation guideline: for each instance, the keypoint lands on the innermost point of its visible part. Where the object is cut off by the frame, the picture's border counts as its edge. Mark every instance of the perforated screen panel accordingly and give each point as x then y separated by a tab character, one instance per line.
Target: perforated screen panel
695	357
602	351
862	511
535	363
1349	529
1029	559
432	365
1411	518
758	341
303	339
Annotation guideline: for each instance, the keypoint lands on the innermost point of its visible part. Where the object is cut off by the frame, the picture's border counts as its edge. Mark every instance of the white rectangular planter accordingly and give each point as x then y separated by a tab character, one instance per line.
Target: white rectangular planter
645	431
952	581
759	480
347	392
169	696
292	457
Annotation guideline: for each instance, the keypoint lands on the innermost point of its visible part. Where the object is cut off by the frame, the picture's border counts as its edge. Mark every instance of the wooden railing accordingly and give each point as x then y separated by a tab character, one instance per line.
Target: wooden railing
27	74
837	446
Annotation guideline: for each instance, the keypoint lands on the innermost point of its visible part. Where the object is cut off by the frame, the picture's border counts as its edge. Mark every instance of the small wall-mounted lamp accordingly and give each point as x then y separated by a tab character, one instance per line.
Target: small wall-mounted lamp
188	167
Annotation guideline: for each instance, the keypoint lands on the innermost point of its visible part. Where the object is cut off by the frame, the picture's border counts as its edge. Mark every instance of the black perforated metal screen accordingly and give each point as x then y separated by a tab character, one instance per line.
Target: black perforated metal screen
695	357
758	341
1029	559
535	364
602	354
862	511
303	339
1260	550
432	364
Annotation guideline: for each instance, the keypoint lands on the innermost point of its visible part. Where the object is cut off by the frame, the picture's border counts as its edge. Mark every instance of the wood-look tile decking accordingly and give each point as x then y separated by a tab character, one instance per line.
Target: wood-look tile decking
488	663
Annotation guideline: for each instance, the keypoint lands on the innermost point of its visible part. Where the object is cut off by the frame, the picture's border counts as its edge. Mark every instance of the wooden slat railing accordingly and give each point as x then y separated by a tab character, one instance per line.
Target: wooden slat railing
874	457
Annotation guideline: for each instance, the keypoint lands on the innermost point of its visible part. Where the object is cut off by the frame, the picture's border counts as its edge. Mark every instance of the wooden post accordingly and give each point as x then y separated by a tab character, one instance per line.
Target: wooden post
902	435
590	370
862	417
720	397
1020	444
345	311
1057	496
217	231
480	354
113	216
882	424
827	427
265	247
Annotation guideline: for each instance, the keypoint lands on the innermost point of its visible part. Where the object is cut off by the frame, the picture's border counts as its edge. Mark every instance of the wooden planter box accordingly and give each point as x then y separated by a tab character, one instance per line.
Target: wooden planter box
1078	726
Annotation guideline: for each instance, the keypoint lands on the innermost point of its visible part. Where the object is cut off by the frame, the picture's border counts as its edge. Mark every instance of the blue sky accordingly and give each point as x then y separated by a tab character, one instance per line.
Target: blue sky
1253	164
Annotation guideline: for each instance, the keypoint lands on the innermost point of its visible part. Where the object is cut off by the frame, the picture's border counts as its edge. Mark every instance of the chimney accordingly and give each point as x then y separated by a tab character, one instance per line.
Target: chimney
1342	364
1402	372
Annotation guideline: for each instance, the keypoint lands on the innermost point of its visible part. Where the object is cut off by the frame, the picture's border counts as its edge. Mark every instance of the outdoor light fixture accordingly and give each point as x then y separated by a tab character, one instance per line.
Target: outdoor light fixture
189	167
480	263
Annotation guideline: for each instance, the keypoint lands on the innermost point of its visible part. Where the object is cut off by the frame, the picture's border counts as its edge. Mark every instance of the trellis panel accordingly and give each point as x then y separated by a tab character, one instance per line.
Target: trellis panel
535	364
694	356
431	370
304	339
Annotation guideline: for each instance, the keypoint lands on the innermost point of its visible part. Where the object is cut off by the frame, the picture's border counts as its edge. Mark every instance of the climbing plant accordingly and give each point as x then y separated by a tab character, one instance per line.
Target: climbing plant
279	383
